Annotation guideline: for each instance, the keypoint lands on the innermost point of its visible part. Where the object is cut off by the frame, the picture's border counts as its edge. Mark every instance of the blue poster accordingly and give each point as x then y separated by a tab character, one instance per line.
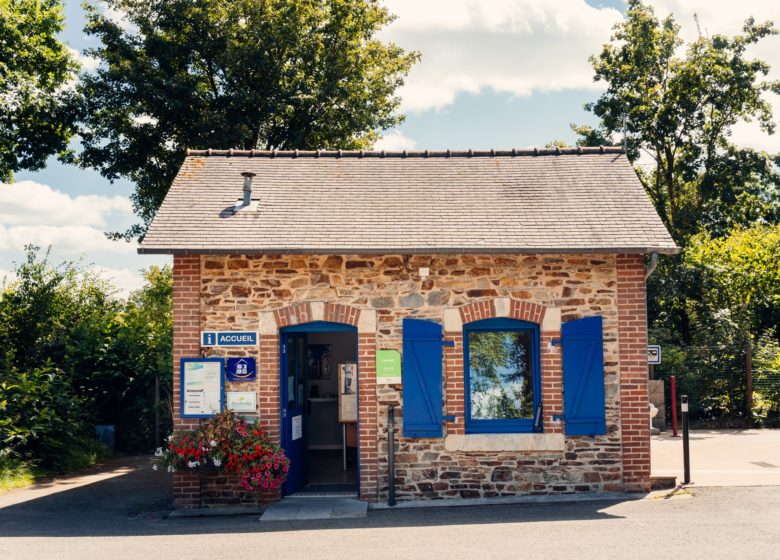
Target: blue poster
241	369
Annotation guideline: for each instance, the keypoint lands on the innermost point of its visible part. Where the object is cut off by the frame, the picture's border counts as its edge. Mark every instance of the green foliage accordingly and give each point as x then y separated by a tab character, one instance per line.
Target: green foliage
766	379
14	473
36	105
142	356
73	355
710	368
285	74
681	103
742	269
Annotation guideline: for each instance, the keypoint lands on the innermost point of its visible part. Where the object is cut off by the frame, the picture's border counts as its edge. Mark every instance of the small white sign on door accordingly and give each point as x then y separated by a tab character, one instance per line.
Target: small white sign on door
297	427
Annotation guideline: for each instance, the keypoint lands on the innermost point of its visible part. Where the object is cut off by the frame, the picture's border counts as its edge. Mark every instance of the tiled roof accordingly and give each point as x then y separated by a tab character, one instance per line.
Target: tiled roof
519	201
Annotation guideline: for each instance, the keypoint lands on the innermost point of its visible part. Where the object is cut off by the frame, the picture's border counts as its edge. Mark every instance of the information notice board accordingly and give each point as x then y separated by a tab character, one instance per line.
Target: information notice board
202	387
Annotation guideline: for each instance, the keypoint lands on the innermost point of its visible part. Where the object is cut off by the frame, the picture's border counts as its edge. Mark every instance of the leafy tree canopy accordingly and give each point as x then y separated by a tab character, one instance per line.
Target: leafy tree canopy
742	269
36	106
284	74
680	104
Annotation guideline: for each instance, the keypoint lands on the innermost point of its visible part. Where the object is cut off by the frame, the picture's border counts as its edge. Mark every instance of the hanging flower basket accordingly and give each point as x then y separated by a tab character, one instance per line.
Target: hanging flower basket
227	444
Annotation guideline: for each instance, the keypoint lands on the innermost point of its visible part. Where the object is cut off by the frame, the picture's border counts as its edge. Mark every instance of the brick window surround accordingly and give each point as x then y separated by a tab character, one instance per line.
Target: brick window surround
552	375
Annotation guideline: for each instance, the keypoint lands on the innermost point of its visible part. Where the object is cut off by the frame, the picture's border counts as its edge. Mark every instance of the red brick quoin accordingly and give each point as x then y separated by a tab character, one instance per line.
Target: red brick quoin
186	344
632	346
552	375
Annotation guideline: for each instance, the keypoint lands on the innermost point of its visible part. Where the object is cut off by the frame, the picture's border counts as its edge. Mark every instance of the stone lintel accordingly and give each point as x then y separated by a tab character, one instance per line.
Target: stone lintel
505	442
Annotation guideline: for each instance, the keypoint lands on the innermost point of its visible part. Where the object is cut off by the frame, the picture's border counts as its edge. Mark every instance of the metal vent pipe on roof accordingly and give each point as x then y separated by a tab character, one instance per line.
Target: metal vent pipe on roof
247	175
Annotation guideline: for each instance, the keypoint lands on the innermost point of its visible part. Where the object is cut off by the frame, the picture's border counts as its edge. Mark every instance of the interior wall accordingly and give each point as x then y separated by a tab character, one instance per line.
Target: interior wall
324	429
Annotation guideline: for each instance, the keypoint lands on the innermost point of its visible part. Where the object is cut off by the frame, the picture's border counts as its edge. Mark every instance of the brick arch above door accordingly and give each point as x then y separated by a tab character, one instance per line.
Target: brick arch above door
309	311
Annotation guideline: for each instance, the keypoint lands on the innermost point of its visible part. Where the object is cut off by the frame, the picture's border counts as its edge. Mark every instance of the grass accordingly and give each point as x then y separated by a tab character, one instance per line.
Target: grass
80	454
15	474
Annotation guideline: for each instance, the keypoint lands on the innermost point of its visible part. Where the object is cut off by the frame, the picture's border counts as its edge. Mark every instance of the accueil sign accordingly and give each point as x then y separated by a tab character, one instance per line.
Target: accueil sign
228	338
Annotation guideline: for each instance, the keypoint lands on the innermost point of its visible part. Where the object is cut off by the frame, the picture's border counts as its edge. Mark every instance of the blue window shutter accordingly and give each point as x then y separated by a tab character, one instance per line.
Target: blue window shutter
422	356
583	377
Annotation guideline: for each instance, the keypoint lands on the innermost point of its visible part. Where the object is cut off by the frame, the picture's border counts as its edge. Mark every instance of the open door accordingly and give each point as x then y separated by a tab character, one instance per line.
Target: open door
294	436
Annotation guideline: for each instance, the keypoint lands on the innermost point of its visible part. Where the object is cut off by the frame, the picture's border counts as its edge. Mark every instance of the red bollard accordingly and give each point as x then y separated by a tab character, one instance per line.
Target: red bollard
673	389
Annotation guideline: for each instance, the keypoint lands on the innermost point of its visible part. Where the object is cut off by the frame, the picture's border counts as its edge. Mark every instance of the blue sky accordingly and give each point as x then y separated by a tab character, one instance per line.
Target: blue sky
494	74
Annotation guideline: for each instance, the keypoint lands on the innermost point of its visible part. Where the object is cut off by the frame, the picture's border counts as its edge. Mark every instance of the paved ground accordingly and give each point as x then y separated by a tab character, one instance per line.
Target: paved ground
313	507
722	457
117	513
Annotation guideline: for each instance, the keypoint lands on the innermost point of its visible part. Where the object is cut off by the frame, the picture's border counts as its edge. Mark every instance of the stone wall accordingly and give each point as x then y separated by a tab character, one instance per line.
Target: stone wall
237	292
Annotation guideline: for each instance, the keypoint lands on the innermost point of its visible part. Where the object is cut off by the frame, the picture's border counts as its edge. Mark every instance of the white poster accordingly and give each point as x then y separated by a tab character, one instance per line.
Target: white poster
297	427
202	388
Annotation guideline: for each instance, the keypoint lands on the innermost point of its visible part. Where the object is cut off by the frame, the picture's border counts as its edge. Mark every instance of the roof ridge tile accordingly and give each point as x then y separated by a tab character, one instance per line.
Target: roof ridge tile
513	152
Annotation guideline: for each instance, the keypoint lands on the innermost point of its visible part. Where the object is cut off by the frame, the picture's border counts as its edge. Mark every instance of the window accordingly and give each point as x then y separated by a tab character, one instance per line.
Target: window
503	386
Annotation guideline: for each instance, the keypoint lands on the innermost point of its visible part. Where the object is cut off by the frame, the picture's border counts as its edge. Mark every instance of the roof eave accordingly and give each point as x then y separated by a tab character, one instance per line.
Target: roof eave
407	250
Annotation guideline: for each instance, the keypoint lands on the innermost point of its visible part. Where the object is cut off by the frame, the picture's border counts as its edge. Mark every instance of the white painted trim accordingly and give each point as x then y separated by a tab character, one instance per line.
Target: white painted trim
505	442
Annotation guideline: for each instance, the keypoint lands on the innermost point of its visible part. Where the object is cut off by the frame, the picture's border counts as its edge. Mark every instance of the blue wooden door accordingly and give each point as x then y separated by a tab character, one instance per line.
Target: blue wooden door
294	429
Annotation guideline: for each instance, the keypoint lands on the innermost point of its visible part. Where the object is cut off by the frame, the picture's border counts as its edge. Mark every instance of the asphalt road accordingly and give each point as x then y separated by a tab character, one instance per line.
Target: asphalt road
117	514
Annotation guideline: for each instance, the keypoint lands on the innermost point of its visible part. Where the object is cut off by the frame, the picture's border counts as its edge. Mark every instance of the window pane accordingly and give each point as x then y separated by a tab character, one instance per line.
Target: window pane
500	375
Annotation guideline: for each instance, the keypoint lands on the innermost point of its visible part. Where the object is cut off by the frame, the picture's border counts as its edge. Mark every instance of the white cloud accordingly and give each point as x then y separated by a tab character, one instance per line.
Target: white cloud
88	63
395	140
31	203
123	279
66	240
73	226
6	277
515	46
34	213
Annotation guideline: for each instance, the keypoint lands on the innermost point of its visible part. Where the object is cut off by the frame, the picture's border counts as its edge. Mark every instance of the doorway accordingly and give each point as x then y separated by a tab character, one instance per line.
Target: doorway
318	366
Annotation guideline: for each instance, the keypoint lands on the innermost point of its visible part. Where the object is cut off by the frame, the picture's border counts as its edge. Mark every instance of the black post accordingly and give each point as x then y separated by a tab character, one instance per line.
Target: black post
686	450
391	455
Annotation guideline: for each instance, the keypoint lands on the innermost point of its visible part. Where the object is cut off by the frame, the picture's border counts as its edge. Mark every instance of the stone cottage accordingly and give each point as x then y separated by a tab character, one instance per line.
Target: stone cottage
495	298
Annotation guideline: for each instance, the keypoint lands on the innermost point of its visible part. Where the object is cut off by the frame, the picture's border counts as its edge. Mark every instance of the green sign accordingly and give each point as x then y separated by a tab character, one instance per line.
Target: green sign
388	367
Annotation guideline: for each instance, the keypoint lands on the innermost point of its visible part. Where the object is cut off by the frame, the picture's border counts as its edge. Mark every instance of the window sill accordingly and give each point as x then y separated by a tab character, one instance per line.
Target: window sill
505	442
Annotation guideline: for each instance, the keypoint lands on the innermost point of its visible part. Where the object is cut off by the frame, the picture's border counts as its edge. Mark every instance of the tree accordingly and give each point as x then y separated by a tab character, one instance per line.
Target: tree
142	353
741	278
92	358
36	104
679	111
285	74
742	270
